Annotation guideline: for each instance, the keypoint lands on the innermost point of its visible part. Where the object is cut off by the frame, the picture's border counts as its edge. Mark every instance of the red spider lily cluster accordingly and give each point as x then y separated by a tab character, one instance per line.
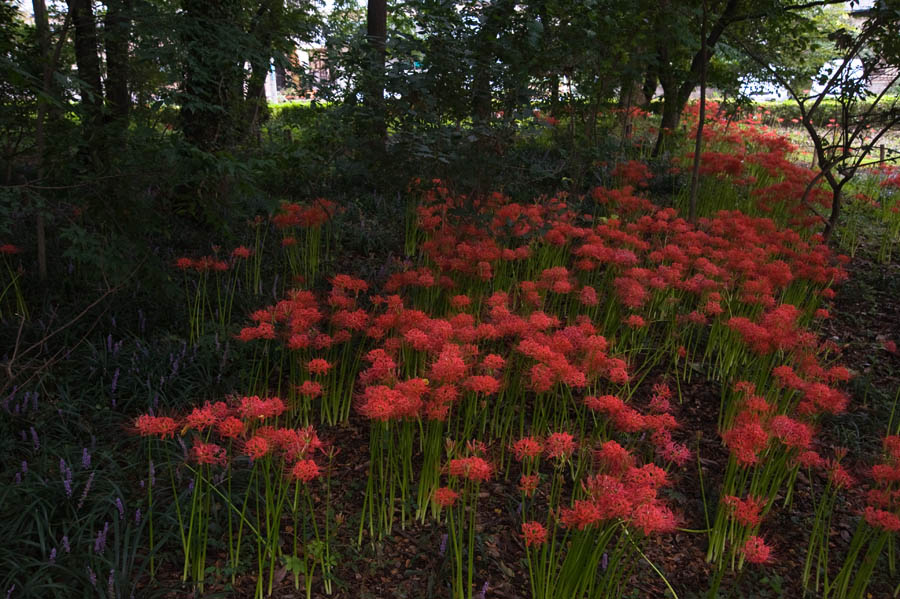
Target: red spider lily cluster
883	502
516	344
246	427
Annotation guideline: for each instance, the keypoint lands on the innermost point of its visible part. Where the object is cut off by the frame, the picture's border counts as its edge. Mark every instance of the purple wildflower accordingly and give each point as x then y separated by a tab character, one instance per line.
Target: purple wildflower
100	541
65	544
121	507
34	439
87	489
85	458
53	555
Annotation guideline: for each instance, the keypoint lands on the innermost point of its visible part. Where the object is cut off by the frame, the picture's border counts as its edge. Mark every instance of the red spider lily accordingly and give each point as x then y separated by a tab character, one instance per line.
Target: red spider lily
159	426
231	427
756	551
882	519
486	385
560	445
534	533
305	471
310	389
445	497
746	441
257	447
615	459
745	511
207	453
201	419
254	408
471	468
184	263
528	484
527	447
318	366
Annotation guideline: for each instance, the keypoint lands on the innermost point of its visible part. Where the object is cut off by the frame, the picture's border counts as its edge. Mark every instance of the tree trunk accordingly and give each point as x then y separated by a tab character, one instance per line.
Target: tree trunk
212	86
649	87
554	94
831	225
87	60
117	39
495	14
42	25
701	118
671	115
376	35
256	101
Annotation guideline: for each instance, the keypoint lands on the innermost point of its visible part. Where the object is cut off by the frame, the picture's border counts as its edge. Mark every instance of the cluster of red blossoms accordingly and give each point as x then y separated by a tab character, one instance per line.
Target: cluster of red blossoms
883	504
314	214
247	427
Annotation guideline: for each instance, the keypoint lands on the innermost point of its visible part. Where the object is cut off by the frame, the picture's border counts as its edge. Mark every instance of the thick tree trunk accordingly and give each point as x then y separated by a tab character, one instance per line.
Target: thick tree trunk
87	59
212	85
117	39
648	88
831	225
554	94
376	35
49	59
671	116
256	103
701	118
495	15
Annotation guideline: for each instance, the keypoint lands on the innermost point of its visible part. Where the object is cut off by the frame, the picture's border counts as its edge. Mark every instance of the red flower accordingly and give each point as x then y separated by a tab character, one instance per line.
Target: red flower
231	427
528	484
882	519
745	511
472	468
445	496
201	418
9	249
305	471
756	551
487	385
318	366
311	389
257	447
560	445
534	533
160	426
208	453
184	263
583	514
527	447
241	252
614	457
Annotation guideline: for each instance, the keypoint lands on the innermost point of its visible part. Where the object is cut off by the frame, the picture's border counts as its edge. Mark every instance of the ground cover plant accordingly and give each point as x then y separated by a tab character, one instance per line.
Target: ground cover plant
561	395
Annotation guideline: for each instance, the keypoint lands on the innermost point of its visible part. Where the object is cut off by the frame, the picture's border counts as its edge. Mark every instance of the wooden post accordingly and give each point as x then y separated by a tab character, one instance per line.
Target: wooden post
881	153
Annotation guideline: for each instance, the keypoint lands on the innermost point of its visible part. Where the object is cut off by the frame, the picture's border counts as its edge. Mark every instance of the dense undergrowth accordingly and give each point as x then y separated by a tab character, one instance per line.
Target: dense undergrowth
468	361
